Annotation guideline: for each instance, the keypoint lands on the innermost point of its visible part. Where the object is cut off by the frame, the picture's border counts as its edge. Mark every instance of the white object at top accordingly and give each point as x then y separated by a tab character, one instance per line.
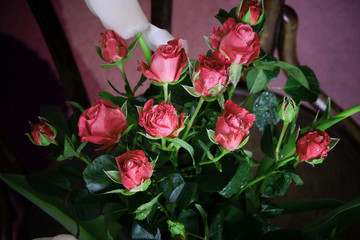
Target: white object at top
125	17
58	237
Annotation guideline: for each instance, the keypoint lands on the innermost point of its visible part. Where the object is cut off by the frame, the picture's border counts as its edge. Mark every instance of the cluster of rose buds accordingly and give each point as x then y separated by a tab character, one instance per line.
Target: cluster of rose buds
235	43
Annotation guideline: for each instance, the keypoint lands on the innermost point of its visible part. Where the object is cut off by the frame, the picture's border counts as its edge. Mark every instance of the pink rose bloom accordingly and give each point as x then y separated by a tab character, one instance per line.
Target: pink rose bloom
161	120
102	123
213	75
166	63
42	134
233	125
313	145
134	168
237	42
219	33
113	47
255	11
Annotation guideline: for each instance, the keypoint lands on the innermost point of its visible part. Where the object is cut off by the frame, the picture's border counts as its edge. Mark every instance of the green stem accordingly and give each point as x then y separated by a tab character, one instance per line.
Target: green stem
84	158
284	162
144	47
223	153
337	118
166	92
163	144
214	160
231	91
255	180
194	235
191	121
245	100
277	149
127	85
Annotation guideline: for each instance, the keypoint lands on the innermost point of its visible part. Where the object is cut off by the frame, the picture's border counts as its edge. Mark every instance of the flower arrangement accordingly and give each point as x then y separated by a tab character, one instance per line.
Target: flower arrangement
173	162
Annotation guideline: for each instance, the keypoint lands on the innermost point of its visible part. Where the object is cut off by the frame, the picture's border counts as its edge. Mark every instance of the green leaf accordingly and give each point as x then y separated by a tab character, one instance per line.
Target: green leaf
76	105
276	184
216	226
207	40
333	143
57	119
98	51
108	66
112	212
289	148
269	210
204	218
223	15
144	210
139	232
339	218
211	135
235	73
112	86
289	234
190	219
172	186
240	179
140	83
187	196
269	140
265	165
191	90
303	205
265	110
326	113
181	96
176	228
299	91
271	71
69	149
85	205
119	101
132	45
89	230
295	73
186	146
211	180
256	80
260	25
96	180
70	171
114	175
49	182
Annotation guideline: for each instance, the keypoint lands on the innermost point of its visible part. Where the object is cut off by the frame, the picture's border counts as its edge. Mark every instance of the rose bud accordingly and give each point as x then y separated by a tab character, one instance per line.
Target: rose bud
42	134
113	47
313	145
166	63
134	168
232	127
102	123
161	120
250	12
240	45
288	109
211	78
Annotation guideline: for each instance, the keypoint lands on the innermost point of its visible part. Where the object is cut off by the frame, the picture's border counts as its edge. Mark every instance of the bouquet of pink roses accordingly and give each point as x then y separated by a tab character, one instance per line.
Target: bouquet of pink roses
173	162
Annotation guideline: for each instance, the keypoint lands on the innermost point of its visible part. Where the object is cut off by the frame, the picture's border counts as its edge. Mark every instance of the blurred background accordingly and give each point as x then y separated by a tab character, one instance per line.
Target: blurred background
327	41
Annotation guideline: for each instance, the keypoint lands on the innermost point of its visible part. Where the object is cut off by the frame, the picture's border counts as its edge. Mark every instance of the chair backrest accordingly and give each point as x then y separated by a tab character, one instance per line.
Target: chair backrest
60	50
